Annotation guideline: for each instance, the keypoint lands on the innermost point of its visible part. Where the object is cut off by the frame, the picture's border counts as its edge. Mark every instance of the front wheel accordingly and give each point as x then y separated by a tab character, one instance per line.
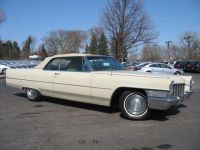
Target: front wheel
133	105
33	94
4	72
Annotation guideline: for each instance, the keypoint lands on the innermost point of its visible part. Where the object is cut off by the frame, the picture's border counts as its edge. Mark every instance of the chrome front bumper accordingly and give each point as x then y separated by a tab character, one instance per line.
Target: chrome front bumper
166	103
187	95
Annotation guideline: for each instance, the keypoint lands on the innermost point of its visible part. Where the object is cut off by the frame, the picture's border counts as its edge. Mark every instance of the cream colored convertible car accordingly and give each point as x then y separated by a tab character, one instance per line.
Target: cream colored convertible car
101	80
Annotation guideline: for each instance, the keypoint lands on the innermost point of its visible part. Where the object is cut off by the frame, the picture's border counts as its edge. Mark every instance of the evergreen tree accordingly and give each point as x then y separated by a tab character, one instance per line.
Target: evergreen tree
87	50
27	47
27	43
43	52
16	50
9	50
93	45
102	45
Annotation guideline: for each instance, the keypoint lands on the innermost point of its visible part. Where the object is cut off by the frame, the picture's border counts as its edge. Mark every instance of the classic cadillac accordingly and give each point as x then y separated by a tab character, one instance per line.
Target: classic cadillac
101	80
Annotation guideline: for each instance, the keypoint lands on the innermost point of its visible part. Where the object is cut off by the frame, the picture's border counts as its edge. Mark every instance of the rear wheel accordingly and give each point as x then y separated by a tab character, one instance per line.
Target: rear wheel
133	105
177	73
33	94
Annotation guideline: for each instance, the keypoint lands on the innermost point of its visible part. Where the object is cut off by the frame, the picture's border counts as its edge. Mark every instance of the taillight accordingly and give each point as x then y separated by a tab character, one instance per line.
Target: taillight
138	68
130	68
176	66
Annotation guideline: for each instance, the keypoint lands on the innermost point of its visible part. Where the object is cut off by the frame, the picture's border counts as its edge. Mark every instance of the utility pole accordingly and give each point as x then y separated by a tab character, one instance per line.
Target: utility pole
155	46
154	57
187	38
169	51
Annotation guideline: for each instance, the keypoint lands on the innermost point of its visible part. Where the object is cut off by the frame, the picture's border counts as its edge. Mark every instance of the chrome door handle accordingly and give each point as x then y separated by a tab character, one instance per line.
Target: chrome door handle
56	73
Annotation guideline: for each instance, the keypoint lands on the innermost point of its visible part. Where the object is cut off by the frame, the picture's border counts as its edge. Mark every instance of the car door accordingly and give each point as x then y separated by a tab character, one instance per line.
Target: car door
155	68
47	76
71	81
166	69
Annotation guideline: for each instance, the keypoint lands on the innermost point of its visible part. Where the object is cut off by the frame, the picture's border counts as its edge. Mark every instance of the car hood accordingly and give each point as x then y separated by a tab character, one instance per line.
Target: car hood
133	73
127	73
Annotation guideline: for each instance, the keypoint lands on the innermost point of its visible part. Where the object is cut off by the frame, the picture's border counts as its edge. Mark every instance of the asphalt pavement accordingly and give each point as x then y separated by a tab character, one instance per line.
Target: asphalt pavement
55	124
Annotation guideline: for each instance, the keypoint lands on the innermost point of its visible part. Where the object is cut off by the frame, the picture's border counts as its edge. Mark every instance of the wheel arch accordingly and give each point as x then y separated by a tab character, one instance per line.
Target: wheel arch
117	92
177	72
25	87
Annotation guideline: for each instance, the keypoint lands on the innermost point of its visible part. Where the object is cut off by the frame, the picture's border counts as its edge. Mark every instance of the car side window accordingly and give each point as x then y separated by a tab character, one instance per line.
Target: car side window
85	66
53	65
71	64
164	66
154	65
65	64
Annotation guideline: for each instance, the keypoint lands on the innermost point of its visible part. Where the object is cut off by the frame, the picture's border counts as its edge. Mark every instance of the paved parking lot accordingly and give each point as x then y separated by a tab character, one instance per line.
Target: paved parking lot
55	124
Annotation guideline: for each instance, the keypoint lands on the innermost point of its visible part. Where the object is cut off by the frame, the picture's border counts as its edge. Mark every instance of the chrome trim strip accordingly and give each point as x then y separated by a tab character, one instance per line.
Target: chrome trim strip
60	83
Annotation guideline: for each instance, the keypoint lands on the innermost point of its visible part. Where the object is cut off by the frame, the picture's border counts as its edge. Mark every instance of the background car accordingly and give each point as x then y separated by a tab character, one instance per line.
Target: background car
7	64
4	67
195	67
179	64
188	66
171	63
132	66
160	68
138	67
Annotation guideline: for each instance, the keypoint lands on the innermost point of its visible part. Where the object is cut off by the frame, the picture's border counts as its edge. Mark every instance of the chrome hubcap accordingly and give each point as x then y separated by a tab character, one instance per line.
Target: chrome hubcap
135	104
31	93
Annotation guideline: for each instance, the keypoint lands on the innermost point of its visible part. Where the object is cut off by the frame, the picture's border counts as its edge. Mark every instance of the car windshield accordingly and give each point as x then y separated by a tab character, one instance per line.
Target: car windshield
142	64
99	63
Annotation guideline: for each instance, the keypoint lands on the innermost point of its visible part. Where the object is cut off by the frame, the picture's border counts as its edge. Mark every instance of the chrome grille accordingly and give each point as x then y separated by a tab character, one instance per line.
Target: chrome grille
178	90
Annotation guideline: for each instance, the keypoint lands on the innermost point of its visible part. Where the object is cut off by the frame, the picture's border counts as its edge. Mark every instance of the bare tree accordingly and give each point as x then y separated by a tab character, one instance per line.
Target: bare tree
97	31
132	57
127	26
190	45
151	53
75	39
62	41
51	43
176	52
